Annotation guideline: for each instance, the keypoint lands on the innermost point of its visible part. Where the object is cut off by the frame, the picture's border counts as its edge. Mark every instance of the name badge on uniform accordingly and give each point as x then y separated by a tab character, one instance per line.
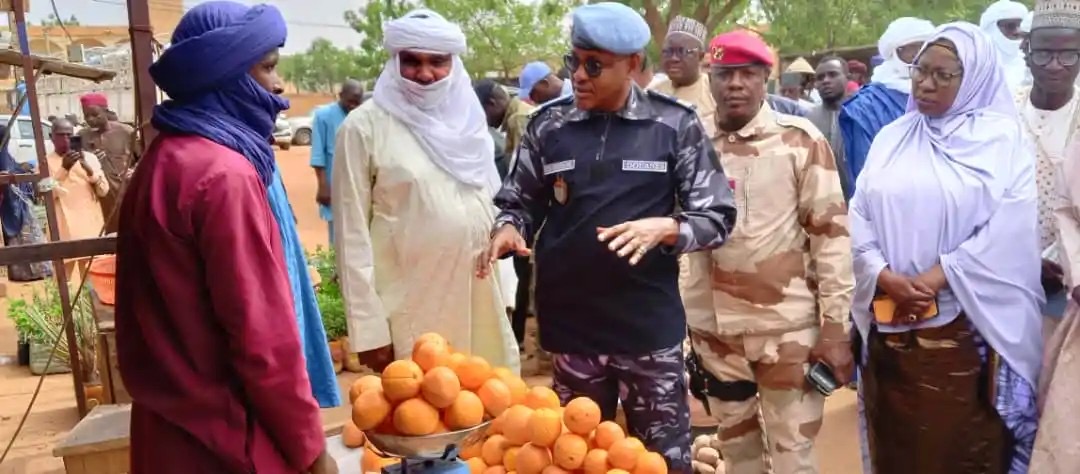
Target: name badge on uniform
647	166
558	167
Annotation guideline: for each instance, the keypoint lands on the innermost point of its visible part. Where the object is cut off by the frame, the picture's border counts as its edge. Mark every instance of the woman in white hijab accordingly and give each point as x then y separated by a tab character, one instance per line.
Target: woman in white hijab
1001	22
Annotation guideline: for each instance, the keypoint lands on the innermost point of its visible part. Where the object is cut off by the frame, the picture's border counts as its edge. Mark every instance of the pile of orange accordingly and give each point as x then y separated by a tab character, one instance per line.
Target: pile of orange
437	391
540	437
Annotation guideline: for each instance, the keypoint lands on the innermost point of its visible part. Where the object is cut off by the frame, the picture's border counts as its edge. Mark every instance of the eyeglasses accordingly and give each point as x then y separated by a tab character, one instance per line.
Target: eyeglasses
941	78
677	52
593	66
1043	57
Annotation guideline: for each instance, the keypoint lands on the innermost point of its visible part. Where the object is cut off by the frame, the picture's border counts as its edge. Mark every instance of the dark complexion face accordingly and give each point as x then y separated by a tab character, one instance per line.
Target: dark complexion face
265	73
739	92
96	116
681	59
831	80
1052	56
935	80
1010	27
351	96
793	92
495	108
607	91
424	68
61	135
547	89
907	52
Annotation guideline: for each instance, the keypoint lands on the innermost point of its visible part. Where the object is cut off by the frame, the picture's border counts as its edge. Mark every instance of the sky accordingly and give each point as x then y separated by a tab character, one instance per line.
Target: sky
308	19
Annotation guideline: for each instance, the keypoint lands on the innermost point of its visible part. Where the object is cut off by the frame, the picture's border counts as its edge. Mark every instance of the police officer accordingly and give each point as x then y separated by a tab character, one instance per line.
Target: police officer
623	181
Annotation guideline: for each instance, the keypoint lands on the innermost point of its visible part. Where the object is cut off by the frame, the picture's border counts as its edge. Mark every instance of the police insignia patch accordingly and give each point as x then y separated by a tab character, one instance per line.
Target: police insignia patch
718	53
560	190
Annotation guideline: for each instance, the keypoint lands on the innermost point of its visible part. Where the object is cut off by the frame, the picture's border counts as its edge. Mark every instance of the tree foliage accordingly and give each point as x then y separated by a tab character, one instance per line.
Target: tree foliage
840	23
322	67
51	20
716	15
502	34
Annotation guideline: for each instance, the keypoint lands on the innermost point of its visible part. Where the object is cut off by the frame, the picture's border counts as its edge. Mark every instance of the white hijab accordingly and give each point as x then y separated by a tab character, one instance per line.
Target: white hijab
1012	59
892	72
445	116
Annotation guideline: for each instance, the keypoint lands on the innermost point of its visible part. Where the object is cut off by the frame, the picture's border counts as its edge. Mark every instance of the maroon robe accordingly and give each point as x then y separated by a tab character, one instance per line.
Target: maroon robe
205	327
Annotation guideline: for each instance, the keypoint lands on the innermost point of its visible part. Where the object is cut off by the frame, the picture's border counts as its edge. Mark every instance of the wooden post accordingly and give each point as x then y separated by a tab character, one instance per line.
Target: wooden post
142	55
50	207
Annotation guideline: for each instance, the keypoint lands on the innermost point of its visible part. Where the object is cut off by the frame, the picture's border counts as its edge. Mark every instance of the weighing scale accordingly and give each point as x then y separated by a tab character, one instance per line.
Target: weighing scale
432	454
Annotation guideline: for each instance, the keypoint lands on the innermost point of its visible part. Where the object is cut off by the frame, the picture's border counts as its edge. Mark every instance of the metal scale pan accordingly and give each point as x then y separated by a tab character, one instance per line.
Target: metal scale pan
431	454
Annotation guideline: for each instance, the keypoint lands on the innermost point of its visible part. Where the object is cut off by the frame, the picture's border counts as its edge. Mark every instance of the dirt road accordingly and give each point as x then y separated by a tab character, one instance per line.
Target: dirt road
54	412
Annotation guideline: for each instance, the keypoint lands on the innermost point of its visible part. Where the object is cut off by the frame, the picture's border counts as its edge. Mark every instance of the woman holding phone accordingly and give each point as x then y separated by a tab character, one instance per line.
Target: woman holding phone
946	260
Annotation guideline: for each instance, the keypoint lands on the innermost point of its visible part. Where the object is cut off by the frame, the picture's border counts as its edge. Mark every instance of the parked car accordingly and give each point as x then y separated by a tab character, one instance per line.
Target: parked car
301	126
283	132
21	144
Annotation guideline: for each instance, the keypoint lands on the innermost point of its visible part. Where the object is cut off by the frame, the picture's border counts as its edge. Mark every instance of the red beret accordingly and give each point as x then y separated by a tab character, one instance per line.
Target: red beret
739	48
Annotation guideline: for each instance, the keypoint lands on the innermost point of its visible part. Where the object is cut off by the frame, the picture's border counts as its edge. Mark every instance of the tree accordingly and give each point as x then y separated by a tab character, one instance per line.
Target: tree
501	34
840	23
322	68
51	20
714	14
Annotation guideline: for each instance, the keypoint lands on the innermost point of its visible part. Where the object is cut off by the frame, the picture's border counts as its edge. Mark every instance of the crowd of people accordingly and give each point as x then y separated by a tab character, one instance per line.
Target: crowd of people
917	234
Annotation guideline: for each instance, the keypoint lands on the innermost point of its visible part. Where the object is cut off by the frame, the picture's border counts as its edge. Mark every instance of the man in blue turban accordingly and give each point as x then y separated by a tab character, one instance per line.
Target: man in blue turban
206	324
623	181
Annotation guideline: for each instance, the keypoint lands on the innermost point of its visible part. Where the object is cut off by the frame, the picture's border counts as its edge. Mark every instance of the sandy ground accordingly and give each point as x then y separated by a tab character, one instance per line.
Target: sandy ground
54	412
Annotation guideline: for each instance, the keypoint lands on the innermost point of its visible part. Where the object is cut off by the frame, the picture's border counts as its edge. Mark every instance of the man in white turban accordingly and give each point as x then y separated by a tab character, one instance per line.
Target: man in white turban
412	198
1001	22
883	100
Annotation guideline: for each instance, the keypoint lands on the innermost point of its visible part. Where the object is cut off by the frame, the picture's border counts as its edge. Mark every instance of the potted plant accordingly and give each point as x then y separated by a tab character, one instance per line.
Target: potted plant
41	321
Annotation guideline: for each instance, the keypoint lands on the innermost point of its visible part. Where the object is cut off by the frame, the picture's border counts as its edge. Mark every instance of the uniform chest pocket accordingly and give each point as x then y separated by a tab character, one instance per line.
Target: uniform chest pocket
764	187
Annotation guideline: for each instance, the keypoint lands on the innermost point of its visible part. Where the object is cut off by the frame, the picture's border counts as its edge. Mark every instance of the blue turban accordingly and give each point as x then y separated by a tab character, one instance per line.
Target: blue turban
204	71
609	26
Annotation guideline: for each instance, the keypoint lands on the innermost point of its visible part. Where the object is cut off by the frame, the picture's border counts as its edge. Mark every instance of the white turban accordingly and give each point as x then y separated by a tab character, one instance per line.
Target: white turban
445	116
892	72
1012	61
1025	25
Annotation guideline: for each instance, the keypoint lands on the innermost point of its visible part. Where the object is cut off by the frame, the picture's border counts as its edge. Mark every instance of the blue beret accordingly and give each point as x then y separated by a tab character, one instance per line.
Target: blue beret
609	26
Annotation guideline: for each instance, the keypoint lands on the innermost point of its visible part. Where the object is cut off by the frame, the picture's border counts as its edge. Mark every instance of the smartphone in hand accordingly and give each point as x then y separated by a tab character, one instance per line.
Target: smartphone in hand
76	144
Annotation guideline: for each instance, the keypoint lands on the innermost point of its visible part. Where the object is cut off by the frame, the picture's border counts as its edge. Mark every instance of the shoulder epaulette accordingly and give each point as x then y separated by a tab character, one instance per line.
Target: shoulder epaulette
563	100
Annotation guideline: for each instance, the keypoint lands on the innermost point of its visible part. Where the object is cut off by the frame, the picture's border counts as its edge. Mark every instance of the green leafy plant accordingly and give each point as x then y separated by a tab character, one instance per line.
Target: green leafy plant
41	321
328	294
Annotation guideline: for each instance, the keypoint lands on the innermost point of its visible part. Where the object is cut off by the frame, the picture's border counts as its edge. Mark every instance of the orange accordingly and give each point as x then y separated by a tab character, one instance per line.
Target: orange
518	387
624	453
569	451
430	337
440	387
618	471
430	354
455	359
493	450
351	436
553	469
650	463
476	465
387	427
532	459
541	397
367	382
470	451
510	458
582	415
596	462
401	380
473	372
516	425
544	427
607	433
496	426
466	411
495	395
371	462
495	470
370	409
441	428
415	417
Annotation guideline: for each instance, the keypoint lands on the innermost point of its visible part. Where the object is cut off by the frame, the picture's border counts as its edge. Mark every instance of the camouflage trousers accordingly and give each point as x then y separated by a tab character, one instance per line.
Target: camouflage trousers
763	375
651	387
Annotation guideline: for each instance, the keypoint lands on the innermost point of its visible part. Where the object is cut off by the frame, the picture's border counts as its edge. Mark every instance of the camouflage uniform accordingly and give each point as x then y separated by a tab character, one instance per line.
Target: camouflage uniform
757	306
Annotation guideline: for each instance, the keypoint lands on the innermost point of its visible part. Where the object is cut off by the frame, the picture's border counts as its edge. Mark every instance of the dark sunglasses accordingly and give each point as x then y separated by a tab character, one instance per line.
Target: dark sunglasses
1042	57
593	67
676	52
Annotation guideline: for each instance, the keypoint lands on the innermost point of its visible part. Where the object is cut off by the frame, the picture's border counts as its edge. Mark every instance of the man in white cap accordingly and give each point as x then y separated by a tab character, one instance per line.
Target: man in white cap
885	99
682	55
1001	22
412	203
622	180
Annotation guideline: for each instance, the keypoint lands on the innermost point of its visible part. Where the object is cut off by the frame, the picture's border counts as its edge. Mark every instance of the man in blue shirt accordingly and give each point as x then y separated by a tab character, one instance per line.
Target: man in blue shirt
324	125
